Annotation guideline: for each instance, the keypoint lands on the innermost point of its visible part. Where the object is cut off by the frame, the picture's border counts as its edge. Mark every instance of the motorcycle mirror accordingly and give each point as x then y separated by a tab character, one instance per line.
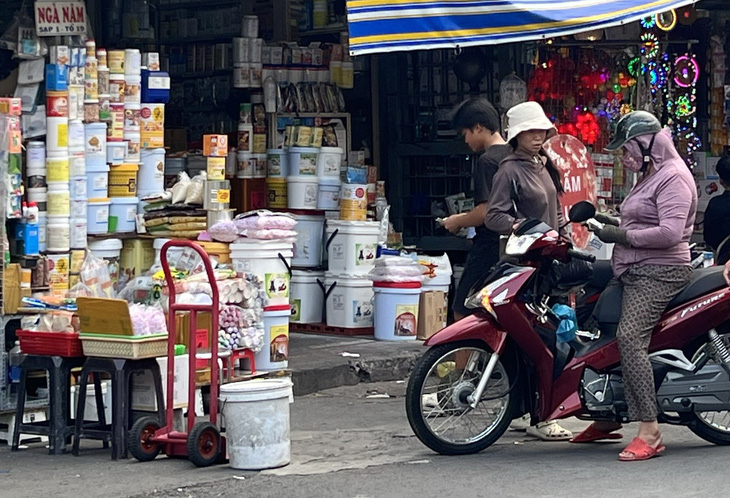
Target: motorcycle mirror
581	212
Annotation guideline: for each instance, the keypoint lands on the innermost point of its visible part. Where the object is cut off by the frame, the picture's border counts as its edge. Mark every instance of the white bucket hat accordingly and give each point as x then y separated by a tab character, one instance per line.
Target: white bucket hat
527	116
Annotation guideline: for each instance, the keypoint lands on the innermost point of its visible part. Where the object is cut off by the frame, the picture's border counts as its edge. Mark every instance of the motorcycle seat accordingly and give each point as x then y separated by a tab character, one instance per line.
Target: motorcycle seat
703	281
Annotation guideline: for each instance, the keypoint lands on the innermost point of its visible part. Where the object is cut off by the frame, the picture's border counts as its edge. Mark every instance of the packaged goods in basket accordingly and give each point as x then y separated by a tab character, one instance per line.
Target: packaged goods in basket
111	328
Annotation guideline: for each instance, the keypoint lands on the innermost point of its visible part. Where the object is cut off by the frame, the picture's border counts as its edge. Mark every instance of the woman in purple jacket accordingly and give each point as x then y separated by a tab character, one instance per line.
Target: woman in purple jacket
651	262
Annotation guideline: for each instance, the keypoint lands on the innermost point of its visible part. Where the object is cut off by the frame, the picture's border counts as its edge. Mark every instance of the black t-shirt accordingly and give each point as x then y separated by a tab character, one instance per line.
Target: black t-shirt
486	168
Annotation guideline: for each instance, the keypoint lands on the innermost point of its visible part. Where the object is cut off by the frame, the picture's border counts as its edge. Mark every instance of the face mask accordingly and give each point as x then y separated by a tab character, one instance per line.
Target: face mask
631	161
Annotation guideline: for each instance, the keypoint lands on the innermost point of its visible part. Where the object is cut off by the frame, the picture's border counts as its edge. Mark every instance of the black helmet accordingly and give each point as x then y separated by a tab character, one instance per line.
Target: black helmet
632	125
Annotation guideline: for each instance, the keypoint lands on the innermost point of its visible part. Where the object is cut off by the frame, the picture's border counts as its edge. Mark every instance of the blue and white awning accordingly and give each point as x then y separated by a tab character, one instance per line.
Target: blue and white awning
378	26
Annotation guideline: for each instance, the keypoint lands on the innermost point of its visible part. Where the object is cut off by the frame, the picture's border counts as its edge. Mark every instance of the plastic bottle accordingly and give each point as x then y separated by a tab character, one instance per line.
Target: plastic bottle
270	94
14	360
32	215
25	209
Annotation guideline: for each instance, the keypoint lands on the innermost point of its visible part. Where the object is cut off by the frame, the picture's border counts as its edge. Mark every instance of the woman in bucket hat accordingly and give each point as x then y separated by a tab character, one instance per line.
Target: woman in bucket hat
527	185
651	263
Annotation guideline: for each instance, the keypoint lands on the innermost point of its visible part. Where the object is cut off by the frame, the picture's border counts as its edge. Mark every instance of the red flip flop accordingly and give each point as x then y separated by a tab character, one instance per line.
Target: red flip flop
591	434
640	450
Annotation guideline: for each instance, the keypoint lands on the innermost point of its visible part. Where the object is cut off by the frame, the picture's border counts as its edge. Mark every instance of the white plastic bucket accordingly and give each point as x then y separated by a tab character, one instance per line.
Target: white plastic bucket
351	246
133	146
308	246
246	165
116	152
97	177
151	176
77	161
301	192
77	238
56	136
257	423
78	208
349	301
303	161
57	169
95	144
124	209
59	199
77	187
396	310
58	234
277	161
76	135
42	231
307	296
39	195
275	353
328	194
329	162
97	216
270	260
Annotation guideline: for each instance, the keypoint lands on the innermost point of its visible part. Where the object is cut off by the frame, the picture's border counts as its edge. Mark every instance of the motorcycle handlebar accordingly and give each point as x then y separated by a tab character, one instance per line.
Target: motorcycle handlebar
581	255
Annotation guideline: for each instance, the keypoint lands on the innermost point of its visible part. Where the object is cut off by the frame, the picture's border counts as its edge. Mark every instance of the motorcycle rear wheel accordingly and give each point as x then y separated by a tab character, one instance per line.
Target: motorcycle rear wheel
713	427
436	399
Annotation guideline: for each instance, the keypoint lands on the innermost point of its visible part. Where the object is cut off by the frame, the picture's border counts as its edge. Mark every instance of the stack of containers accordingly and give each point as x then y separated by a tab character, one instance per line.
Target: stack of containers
351	251
37	186
151	123
57	167
217	188
247	56
251	146
97	178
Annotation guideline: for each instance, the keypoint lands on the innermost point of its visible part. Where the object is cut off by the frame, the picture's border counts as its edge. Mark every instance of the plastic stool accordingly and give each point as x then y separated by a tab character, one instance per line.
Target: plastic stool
58	427
121	371
229	363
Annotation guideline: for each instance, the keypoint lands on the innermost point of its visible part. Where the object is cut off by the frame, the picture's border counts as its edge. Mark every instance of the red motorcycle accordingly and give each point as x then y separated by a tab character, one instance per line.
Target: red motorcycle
507	360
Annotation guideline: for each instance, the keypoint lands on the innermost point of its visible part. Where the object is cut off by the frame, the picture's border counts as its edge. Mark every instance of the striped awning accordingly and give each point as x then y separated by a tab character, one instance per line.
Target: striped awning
378	26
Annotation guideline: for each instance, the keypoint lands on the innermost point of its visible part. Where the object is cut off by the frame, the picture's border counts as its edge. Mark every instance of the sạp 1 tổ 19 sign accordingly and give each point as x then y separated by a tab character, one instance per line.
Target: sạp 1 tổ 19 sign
60	18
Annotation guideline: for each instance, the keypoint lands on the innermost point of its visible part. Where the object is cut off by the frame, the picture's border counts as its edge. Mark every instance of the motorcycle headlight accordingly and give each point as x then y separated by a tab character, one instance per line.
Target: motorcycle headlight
519	245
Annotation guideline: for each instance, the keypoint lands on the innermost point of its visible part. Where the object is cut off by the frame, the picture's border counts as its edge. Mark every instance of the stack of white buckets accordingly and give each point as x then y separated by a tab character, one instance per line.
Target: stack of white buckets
271	261
351	251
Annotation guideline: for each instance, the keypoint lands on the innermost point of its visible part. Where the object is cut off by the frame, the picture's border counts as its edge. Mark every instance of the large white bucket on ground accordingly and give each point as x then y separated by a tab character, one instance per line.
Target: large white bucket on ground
270	260
310	235
349	301
396	310
257	423
351	246
307	296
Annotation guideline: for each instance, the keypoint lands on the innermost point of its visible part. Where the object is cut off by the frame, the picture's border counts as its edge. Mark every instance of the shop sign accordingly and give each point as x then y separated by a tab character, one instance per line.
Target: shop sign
574	162
60	18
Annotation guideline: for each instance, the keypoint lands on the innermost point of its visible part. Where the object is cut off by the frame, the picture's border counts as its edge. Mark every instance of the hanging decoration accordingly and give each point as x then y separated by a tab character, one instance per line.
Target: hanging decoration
650	45
666	21
634	67
648	22
686	71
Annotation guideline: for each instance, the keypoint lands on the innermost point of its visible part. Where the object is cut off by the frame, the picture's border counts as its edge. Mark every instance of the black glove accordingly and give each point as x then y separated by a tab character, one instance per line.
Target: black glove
611	234
606	219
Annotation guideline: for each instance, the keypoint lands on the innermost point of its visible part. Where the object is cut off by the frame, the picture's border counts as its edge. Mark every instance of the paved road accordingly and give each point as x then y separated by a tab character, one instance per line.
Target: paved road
348	445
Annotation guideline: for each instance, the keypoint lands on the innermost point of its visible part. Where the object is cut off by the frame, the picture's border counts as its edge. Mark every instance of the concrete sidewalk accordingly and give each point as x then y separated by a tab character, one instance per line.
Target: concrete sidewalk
317	362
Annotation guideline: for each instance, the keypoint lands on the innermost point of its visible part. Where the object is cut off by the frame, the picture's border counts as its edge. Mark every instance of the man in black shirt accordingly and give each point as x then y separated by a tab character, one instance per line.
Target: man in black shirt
478	121
717	215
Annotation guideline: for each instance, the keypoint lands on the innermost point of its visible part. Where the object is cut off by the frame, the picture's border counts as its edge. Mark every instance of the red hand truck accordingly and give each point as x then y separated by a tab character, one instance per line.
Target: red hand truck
202	444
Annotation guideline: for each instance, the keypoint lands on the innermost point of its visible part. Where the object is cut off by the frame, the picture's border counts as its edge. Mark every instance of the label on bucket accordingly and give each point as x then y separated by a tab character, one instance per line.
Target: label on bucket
296	310
405	320
277	285
365	254
279	347
337	251
362	312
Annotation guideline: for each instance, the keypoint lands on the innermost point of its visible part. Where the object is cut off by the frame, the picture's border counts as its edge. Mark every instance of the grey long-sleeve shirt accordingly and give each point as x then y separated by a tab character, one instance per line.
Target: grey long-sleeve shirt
537	196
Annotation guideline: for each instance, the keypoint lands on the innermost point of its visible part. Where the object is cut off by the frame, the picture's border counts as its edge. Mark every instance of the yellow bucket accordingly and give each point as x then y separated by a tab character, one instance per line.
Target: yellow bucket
123	180
276	192
221	252
353	202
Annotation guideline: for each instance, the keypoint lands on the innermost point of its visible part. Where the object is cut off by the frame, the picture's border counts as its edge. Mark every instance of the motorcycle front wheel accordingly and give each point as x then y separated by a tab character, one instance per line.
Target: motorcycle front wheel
437	399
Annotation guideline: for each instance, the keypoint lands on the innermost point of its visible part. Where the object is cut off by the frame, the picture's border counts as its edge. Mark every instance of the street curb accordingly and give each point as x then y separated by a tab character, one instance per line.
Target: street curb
308	381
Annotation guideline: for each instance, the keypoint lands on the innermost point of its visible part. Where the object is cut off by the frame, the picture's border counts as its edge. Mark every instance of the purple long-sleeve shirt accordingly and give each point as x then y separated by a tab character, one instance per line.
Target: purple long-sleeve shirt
659	212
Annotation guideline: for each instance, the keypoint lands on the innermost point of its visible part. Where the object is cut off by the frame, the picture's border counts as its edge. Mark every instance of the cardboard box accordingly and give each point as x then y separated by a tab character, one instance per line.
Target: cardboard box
11	289
215	145
143	389
432	312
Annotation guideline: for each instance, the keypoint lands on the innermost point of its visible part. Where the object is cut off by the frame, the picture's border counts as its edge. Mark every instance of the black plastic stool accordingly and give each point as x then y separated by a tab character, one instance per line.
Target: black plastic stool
121	371
58	428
